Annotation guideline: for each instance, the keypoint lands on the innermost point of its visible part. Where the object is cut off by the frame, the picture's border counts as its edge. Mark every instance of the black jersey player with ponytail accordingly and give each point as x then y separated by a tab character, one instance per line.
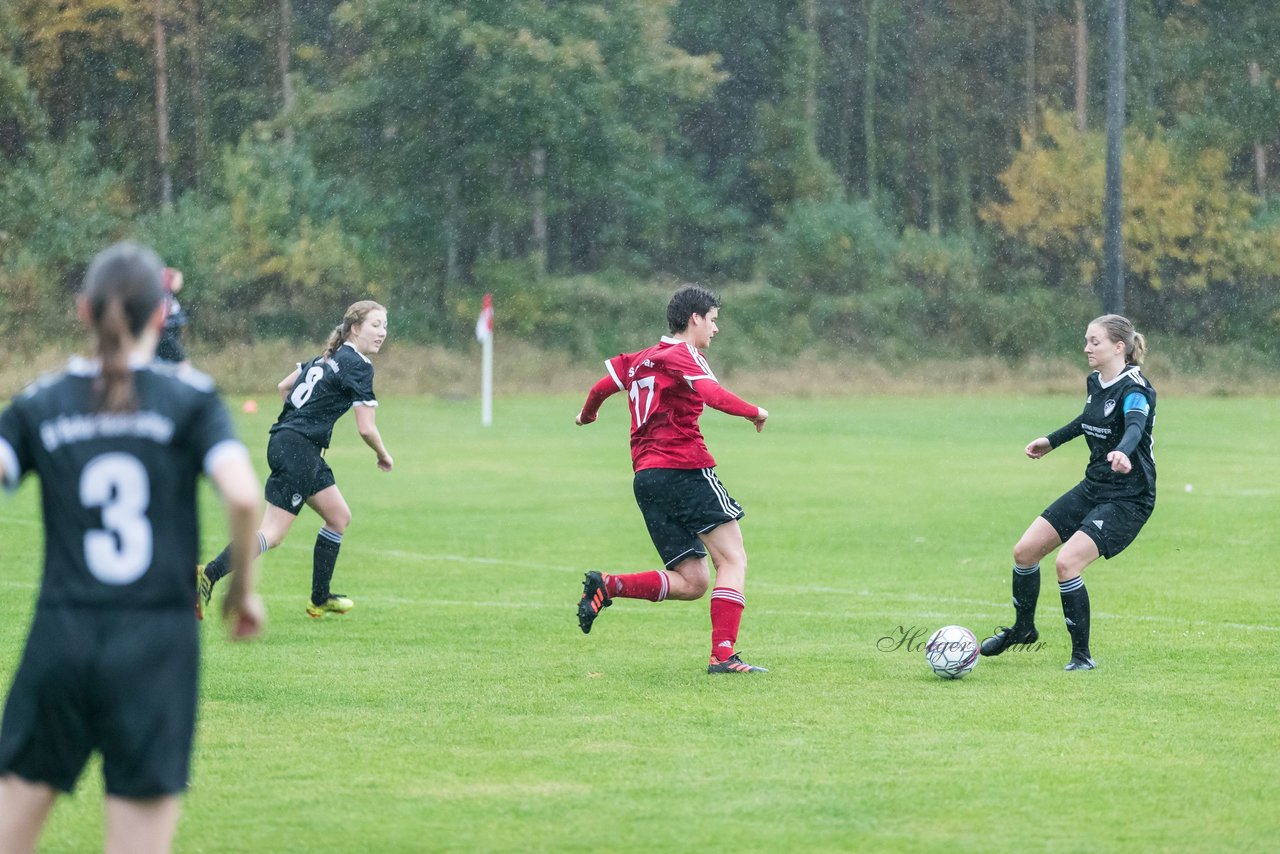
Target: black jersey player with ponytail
111	664
1103	513
316	394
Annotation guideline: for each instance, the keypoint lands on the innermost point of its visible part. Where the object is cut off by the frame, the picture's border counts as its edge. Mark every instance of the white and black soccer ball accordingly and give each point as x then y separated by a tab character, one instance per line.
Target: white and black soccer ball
952	651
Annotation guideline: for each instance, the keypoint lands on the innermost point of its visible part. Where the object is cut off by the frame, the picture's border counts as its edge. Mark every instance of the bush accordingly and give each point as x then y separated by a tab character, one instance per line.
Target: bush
596	317
943	271
831	248
266	253
57	210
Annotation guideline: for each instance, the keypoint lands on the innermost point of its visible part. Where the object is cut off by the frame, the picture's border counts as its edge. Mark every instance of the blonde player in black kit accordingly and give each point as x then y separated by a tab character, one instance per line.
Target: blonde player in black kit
1103	513
111	664
316	395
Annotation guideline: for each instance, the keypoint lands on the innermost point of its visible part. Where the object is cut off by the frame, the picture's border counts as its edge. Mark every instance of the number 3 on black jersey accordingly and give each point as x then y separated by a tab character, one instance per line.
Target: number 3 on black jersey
120	551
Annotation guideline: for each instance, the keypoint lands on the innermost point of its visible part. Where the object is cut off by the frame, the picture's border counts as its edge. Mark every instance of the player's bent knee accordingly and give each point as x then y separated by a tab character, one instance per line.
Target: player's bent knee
1026	553
272	538
1067	568
689	580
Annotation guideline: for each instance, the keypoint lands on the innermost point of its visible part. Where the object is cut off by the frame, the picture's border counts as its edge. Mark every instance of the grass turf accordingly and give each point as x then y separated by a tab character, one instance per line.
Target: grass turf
458	707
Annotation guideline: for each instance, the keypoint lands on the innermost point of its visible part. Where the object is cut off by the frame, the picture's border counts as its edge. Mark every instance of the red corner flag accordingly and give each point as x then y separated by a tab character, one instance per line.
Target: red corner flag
484	324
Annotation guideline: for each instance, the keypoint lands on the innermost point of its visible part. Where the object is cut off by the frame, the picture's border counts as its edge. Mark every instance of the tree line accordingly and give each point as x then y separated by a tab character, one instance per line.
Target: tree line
877	168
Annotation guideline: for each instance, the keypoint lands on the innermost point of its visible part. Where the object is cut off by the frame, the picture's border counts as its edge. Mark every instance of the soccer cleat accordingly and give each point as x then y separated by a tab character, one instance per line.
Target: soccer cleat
1080	661
733	664
1005	638
335	604
595	598
204	591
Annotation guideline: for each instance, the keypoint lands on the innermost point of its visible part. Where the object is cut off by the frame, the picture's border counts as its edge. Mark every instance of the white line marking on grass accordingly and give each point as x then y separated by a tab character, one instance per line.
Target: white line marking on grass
988	606
445	558
466	603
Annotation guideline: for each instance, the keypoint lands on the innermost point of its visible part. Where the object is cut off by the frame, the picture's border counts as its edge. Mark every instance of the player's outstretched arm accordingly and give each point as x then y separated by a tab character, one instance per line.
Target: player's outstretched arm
1037	448
718	397
1064	434
598	394
366	423
238	485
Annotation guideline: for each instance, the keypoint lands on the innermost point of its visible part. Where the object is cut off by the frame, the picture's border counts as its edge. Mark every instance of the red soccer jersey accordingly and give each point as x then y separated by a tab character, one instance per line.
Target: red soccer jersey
664	404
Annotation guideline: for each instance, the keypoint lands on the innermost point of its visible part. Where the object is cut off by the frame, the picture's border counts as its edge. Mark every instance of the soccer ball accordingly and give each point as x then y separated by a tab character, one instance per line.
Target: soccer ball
952	651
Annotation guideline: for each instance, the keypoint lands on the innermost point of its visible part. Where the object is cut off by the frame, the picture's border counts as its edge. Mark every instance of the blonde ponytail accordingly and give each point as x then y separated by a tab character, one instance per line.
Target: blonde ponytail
1139	349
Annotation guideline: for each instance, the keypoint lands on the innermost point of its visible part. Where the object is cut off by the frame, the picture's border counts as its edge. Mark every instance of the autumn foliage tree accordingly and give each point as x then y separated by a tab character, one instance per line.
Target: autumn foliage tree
1188	225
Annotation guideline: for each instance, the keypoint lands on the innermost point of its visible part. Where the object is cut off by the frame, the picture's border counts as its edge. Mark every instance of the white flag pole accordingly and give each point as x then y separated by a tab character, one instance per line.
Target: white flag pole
486	382
484	331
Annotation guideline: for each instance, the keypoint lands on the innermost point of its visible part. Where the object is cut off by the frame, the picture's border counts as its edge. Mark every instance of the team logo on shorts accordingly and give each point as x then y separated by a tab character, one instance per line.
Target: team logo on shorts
1108	408
296	499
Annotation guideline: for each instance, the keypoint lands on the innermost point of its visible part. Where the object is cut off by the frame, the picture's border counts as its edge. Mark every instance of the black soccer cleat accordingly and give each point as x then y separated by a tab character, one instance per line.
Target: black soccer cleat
1080	661
733	664
1007	637
595	598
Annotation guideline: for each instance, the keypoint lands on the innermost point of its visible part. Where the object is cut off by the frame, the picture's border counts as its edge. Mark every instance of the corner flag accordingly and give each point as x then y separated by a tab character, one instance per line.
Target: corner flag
484	324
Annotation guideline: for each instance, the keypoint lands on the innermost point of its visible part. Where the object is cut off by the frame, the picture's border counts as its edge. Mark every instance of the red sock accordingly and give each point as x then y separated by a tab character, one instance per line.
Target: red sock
638	585
726	613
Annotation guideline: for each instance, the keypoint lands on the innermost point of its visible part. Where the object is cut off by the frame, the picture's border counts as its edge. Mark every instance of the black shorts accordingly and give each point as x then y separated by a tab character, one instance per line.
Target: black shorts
123	683
680	504
298	471
1112	523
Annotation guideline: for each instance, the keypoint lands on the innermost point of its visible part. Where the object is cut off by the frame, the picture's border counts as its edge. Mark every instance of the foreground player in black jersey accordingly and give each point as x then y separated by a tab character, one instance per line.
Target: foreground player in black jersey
1103	513
112	660
316	395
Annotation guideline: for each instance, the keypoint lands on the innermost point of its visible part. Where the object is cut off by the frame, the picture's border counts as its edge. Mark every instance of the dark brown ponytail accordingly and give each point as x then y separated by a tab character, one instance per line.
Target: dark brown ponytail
122	289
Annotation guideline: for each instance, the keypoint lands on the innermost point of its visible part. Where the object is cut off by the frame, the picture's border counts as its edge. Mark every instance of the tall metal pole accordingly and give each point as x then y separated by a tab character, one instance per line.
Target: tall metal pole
1113	206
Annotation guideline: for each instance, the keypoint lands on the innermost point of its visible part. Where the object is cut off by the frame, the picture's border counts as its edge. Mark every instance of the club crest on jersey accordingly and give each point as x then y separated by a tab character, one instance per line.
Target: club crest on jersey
1108	408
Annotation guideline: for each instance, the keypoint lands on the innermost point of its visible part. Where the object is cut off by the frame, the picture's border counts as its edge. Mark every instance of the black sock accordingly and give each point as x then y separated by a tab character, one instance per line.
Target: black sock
325	557
220	566
1026	592
1075	609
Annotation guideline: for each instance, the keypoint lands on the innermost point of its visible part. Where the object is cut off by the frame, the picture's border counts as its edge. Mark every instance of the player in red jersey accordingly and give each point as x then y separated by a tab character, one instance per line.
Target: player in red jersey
687	510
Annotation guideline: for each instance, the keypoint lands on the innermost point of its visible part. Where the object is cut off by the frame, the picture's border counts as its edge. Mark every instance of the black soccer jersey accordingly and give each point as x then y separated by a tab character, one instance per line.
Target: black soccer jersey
118	489
323	392
1103	424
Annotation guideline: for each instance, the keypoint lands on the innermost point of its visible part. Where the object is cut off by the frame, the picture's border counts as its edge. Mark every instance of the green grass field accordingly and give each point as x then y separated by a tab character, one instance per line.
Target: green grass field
459	708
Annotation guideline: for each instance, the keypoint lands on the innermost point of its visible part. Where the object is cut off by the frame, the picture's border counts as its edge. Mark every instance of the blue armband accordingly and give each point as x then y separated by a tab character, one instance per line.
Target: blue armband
1137	402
